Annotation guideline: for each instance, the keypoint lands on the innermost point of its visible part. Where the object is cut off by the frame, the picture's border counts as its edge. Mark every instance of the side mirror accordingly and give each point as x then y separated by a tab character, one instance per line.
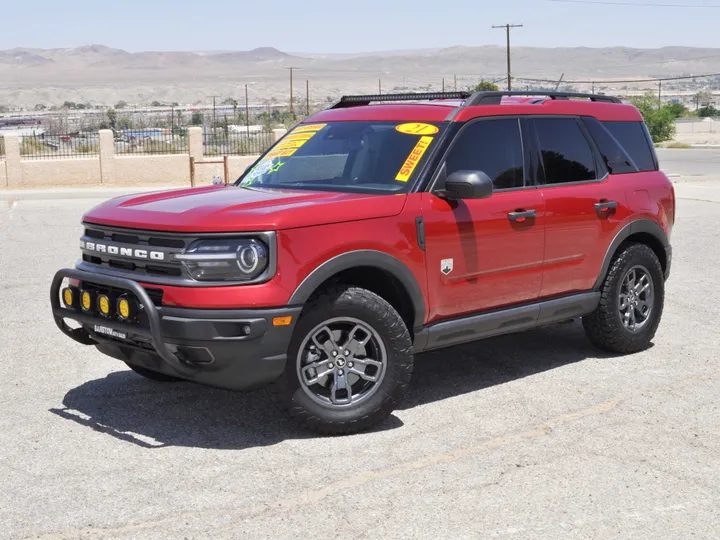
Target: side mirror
468	185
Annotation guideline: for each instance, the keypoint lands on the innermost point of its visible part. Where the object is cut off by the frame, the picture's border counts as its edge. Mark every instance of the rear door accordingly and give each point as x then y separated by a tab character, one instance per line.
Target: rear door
584	205
481	254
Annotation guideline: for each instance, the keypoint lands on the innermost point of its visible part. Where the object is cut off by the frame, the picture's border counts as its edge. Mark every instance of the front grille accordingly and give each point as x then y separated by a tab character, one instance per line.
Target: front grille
142	253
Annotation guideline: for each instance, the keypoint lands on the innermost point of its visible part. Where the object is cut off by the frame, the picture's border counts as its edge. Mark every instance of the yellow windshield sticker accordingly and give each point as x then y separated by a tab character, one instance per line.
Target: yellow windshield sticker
285	144
417	129
308	127
413	159
280	153
299	137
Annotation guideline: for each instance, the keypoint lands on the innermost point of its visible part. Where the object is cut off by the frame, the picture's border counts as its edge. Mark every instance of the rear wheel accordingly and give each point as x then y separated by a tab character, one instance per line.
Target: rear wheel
631	302
349	363
153	375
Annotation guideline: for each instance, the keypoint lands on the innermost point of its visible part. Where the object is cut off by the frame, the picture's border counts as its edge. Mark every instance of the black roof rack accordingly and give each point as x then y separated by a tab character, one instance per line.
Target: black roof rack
495	98
354	101
469	99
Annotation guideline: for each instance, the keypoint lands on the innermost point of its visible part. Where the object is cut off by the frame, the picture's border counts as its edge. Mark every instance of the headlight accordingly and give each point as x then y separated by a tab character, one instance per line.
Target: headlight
241	259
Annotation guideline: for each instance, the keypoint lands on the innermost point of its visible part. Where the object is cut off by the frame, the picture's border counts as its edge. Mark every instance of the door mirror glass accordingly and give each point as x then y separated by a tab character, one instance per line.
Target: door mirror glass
468	185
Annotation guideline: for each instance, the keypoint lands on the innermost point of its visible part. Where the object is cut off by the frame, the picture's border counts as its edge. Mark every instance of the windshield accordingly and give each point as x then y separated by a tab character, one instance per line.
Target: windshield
364	157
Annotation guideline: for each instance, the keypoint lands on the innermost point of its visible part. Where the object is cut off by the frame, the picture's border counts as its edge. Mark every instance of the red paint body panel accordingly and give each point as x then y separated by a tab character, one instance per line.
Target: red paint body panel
379	113
234	209
604	112
495	262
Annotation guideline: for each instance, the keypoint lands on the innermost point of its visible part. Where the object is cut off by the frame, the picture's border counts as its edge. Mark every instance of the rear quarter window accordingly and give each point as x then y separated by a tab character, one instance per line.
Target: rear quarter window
634	138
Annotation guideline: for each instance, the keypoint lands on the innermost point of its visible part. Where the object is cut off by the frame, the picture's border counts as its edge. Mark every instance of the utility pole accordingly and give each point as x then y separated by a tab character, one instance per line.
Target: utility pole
455	79
507	28
380	87
443	85
214	121
292	108
307	97
660	94
247	112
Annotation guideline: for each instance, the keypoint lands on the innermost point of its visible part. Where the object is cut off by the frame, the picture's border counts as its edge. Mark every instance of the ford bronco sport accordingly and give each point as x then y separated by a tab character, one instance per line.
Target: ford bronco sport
376	230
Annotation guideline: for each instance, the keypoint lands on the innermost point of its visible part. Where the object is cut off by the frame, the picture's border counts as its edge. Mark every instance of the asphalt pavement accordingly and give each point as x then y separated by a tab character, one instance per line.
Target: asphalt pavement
536	435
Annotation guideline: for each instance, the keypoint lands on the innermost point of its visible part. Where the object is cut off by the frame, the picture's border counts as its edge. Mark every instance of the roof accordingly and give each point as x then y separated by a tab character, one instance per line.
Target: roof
481	104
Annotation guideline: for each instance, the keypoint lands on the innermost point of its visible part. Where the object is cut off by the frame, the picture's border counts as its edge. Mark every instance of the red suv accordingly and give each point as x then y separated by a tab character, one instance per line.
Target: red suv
373	232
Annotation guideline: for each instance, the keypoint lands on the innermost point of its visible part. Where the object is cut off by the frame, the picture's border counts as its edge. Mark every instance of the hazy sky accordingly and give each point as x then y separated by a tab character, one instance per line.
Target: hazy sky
347	26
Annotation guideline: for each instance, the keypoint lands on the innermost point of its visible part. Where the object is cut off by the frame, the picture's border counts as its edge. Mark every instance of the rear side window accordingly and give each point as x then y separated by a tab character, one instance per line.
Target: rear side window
616	158
566	153
636	142
493	147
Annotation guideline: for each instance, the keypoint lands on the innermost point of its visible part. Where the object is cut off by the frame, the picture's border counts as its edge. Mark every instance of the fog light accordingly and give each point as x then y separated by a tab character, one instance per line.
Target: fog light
68	296
104	305
124	307
86	301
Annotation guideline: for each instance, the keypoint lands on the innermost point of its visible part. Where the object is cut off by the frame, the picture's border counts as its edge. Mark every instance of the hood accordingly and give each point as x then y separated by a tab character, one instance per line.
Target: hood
237	209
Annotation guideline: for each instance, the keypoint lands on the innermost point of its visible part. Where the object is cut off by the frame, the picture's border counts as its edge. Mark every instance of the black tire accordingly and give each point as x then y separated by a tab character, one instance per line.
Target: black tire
371	310
153	375
604	327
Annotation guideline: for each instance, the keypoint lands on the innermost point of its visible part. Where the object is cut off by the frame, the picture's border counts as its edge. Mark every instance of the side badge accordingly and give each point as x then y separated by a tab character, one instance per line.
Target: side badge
446	266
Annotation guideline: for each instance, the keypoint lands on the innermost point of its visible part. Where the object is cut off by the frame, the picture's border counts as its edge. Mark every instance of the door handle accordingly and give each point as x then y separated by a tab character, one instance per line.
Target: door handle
605	208
520	215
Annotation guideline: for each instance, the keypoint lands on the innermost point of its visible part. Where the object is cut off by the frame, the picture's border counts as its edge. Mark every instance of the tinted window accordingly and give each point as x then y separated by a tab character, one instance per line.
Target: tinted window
615	157
566	154
633	137
491	146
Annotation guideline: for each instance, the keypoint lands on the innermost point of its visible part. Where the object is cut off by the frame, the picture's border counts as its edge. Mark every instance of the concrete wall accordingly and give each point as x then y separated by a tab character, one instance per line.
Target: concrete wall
698	126
109	169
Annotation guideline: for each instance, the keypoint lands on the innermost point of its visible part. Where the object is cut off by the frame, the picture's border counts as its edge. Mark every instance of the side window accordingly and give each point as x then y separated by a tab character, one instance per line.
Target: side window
634	139
566	153
616	159
491	146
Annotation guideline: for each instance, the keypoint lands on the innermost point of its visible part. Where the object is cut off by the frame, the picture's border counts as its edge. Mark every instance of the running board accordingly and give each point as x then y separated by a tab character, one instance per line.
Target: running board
504	321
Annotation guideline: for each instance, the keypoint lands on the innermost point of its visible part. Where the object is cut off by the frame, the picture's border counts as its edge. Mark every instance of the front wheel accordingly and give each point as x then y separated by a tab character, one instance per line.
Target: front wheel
349	363
631	302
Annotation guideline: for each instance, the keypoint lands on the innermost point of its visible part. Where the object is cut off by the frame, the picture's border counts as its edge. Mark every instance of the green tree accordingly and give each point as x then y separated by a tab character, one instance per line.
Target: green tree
659	120
121	104
486	86
40	107
156	104
197	118
112	118
678	110
708	112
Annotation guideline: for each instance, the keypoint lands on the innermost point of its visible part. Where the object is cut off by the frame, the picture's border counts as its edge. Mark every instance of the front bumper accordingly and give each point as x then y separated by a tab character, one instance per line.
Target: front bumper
235	349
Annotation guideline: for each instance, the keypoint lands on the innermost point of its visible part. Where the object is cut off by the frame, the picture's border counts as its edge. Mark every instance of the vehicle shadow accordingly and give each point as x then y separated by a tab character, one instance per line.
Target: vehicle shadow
155	415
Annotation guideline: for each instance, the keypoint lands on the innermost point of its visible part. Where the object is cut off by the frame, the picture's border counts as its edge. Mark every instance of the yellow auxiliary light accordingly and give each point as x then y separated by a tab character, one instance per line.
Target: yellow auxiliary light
86	300
104	304
68	296
124	308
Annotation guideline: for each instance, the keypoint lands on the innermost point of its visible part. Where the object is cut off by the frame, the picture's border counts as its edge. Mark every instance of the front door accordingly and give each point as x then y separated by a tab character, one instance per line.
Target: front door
485	253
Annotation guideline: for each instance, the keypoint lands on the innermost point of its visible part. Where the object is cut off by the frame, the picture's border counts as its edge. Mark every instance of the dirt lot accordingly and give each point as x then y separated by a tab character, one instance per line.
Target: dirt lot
530	436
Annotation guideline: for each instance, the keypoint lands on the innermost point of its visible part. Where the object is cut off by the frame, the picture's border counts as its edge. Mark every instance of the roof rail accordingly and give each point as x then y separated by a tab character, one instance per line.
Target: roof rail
354	101
495	98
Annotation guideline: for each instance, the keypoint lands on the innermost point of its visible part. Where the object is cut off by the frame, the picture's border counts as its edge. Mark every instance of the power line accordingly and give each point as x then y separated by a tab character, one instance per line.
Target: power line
638	4
686	77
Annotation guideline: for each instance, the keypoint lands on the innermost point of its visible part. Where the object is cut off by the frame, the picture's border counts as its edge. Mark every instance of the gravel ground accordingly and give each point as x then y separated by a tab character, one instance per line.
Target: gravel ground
535	435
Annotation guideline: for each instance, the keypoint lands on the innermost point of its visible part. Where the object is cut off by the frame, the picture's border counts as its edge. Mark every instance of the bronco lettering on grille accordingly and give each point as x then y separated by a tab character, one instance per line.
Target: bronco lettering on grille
122	251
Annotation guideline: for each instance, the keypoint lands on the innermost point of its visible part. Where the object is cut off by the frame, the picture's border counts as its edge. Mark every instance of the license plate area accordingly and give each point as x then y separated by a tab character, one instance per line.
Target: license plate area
109	332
